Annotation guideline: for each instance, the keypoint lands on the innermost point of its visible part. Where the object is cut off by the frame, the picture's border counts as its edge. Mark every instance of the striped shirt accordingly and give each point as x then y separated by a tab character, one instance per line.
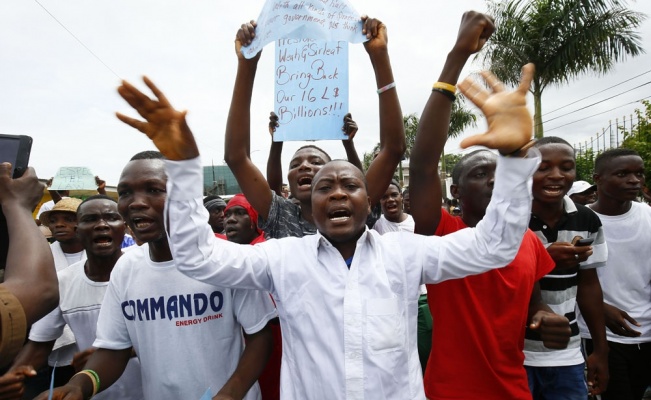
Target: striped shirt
559	288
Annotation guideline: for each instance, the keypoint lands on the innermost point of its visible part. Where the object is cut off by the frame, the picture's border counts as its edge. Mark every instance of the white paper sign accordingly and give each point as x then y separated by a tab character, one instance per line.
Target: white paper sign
73	178
311	87
330	20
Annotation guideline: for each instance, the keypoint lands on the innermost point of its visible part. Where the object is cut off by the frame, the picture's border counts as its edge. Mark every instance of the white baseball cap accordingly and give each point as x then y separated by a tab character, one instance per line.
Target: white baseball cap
580	187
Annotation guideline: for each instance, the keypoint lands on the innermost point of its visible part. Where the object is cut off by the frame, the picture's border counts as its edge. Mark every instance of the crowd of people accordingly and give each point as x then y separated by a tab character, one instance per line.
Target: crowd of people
341	285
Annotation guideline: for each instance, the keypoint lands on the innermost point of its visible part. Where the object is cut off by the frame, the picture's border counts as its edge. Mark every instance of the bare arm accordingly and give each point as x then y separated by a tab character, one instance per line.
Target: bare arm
392	130
252	363
350	129
34	354
274	162
238	128
589	298
29	274
474	31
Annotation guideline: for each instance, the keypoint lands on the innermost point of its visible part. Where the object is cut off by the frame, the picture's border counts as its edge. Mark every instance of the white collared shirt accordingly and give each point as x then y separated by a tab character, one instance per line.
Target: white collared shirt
347	334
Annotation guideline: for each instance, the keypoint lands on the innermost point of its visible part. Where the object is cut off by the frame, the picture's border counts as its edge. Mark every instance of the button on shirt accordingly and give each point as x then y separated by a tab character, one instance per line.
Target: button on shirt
347	333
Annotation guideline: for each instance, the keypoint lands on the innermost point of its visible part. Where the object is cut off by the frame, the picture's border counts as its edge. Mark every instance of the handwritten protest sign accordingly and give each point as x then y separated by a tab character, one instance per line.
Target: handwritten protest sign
330	20
311	87
73	178
311	77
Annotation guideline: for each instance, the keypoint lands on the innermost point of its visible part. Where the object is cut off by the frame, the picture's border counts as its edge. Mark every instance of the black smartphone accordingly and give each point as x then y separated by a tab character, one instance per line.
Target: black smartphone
16	150
584	242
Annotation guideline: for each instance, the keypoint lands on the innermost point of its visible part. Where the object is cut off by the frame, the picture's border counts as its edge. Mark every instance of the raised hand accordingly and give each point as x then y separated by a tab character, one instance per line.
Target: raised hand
350	127
618	321
243	38
474	31
164	125
273	123
26	190
509	121
376	32
554	329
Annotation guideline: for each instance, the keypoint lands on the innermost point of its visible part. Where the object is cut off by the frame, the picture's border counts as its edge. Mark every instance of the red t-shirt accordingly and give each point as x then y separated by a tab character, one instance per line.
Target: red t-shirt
479	325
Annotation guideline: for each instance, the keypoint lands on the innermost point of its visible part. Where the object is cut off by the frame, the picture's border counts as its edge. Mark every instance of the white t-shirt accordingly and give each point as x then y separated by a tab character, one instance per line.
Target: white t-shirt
79	305
626	278
64	348
187	334
383	225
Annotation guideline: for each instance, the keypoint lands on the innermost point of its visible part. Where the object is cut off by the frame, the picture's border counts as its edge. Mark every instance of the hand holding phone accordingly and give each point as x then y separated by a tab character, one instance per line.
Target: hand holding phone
579	241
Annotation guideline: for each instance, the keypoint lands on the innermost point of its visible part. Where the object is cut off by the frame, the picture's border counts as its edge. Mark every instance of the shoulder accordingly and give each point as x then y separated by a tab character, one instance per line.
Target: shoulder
642	208
584	219
449	224
71	271
130	259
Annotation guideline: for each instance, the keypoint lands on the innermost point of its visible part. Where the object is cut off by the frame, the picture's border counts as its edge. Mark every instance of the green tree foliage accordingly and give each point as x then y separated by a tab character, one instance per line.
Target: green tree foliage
449	161
460	119
585	165
563	38
639	138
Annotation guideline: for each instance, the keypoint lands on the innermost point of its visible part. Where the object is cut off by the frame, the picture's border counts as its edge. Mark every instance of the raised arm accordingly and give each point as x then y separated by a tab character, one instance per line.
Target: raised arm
190	236
238	128
350	129
494	242
424	180
274	162
29	273
392	130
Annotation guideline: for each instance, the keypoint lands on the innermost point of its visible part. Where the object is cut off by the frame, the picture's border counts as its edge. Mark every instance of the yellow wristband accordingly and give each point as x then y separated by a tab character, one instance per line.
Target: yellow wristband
445	86
93	377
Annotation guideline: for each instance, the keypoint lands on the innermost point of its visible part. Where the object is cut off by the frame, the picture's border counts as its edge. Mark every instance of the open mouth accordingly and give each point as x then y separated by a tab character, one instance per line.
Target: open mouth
142	223
103	241
305	182
339	215
553	190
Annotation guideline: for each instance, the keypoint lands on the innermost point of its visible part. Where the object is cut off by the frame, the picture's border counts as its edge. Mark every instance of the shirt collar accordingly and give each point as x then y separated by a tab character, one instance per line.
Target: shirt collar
568	205
321	240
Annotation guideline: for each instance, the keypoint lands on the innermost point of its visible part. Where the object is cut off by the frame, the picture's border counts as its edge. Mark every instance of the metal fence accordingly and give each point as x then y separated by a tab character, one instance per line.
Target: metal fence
610	136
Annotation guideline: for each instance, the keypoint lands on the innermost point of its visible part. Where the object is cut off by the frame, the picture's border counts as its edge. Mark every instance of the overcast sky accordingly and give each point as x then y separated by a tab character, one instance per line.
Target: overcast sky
55	90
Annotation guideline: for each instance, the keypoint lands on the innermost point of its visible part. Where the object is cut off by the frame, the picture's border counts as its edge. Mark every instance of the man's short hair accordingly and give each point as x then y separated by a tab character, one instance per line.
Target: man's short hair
553	140
148	155
604	158
405	190
460	166
396	184
96	197
311	146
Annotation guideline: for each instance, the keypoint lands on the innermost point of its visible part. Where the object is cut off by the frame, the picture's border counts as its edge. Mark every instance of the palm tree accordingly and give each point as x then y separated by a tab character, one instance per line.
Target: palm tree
563	38
460	118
